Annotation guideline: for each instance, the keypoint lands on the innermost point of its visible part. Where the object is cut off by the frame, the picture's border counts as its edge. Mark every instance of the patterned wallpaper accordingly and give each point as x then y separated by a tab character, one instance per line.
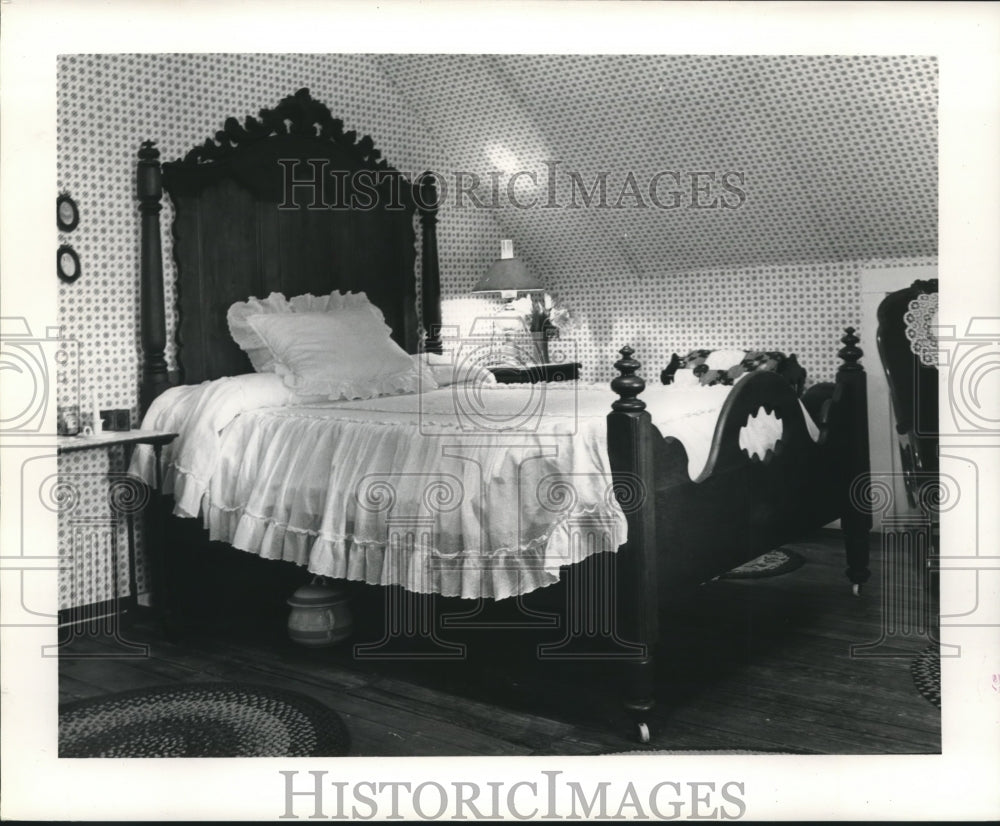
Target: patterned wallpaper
838	158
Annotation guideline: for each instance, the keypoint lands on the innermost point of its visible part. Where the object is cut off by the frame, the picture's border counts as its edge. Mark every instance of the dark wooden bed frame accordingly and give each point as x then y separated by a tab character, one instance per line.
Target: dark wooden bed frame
267	205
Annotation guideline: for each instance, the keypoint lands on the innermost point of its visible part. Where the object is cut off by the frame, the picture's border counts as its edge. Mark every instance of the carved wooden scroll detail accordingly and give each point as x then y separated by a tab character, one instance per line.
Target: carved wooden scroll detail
299	114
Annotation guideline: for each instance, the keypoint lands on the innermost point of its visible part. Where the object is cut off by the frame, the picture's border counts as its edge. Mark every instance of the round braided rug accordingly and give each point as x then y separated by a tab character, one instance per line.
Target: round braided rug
926	672
201	720
698	752
773	563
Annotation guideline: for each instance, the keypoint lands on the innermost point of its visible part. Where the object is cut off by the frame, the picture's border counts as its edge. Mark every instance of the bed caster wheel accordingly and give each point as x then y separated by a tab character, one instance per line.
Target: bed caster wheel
856	589
643	731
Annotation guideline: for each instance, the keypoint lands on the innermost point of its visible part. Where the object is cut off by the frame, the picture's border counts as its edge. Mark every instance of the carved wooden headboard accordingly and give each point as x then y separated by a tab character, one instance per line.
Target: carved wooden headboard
285	202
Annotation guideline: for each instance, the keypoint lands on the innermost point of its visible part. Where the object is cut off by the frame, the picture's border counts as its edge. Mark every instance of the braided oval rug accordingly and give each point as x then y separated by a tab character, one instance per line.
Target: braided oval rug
926	672
202	720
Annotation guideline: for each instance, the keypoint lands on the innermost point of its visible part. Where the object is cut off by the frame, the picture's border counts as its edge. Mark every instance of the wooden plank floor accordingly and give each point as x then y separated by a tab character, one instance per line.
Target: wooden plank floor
760	664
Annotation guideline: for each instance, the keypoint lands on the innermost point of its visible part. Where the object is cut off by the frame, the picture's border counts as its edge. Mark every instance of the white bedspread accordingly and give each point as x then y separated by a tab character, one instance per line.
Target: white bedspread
472	492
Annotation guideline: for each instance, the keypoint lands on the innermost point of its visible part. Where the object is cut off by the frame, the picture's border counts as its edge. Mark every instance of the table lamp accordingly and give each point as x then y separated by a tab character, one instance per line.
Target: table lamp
508	276
518	342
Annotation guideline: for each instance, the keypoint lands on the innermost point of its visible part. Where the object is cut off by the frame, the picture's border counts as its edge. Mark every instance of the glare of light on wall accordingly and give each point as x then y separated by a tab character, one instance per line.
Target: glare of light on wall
503	159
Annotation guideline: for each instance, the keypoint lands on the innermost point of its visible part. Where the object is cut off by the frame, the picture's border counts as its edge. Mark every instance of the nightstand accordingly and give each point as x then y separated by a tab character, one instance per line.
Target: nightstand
126	498
534	373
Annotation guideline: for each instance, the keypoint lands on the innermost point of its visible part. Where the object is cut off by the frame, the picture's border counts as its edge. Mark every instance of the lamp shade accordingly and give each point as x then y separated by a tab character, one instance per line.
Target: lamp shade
508	275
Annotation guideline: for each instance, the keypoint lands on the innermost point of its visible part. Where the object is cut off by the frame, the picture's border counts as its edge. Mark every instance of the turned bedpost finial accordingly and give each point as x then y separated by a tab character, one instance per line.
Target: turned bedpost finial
628	385
855	519
153	326
148	180
148	151
850	354
426	197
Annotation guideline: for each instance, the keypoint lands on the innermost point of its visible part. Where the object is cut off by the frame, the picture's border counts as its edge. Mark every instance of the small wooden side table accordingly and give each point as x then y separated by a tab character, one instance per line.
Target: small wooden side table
534	373
126	440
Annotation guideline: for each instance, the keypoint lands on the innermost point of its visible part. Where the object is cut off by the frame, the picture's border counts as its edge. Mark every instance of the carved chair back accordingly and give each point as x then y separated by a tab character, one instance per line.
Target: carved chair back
907	345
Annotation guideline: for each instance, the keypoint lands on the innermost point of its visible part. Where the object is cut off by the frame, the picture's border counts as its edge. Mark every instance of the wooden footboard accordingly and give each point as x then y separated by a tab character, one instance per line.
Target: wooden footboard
766	481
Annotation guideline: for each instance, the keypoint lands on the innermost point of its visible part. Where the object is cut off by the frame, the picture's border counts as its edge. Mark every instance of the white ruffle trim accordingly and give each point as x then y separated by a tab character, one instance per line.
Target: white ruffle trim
470	574
417	567
237	317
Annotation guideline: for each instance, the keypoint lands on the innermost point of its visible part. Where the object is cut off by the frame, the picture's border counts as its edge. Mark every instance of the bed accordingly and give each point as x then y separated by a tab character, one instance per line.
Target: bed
289	205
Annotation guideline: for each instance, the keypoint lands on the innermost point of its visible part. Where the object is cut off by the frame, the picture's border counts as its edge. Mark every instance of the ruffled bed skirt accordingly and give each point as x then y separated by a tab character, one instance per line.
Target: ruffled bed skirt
404	559
485	516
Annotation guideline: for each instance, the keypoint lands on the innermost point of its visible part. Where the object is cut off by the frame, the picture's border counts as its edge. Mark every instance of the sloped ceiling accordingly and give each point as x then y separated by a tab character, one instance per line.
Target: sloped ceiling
837	156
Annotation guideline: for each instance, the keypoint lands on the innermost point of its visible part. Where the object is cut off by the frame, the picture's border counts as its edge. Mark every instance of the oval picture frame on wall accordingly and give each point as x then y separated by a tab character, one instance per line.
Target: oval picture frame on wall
67	213
67	264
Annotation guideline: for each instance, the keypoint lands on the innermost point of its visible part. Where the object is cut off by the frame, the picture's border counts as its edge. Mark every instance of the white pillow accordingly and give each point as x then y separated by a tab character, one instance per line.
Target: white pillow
346	354
275	304
686	378
446	371
724	359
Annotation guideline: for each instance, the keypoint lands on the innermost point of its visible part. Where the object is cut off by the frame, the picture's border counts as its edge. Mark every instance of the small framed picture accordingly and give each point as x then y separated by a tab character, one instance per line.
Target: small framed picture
67	213
67	264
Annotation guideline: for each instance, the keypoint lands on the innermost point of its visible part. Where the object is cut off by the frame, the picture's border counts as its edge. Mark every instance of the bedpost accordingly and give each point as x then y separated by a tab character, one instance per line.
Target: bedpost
153	327
430	275
856	521
630	452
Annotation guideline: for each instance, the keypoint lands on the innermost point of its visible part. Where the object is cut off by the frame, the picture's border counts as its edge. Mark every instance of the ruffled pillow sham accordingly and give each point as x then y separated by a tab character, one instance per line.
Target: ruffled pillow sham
336	346
260	355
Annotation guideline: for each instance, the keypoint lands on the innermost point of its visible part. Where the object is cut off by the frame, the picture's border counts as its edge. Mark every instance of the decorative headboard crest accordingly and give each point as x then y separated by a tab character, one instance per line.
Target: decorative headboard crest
251	218
299	114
